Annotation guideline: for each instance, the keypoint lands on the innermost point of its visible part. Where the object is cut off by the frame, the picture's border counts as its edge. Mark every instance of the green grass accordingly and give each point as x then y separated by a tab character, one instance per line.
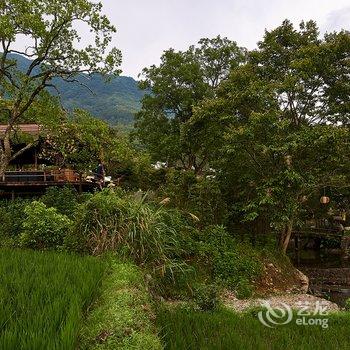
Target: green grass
42	298
223	329
121	317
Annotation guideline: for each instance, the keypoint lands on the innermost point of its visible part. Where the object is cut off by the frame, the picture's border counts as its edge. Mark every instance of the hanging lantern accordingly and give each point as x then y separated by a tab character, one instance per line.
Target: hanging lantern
324	200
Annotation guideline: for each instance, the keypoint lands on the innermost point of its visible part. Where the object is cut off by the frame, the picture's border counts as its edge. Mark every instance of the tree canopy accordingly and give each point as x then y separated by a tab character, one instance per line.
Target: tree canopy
273	126
176	87
52	43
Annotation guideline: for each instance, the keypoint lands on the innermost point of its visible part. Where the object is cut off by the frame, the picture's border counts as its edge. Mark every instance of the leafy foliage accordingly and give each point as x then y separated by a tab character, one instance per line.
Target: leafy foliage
234	265
177	85
64	200
11	218
206	296
200	196
52	37
43	227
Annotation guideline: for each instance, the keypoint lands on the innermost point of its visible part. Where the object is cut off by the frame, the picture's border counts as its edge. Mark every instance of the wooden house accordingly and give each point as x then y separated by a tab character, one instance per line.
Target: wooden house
29	174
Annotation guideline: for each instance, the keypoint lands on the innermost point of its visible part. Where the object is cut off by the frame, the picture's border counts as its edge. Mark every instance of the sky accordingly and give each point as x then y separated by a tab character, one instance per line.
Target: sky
146	28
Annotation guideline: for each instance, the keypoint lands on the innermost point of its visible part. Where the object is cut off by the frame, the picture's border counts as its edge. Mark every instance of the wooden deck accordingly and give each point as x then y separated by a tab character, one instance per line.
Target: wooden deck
318	232
17	183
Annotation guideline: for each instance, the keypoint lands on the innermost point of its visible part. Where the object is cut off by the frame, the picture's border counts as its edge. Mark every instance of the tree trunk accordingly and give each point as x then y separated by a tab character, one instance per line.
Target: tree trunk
285	236
5	156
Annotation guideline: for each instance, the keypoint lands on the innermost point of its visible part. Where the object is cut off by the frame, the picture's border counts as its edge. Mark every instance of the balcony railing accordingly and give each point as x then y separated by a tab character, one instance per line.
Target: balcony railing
37	176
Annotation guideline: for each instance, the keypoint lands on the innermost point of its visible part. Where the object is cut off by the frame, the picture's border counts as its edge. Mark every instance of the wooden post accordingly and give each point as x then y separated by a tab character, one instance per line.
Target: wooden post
13	195
36	159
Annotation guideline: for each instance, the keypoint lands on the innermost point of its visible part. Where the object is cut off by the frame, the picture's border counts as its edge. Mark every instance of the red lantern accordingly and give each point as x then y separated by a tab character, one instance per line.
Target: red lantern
324	200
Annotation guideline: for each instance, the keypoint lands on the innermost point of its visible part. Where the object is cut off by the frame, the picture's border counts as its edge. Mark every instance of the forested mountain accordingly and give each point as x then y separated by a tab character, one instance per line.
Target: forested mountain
115	101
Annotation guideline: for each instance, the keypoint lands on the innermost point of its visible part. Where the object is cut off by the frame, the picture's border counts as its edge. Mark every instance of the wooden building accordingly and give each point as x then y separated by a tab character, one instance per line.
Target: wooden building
30	175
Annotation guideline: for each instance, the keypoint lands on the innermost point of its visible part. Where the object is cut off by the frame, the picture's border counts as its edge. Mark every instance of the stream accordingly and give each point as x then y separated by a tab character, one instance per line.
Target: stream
328	273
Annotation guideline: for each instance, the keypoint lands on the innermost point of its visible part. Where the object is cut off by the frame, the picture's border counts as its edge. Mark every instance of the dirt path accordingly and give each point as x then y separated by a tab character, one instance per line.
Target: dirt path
295	301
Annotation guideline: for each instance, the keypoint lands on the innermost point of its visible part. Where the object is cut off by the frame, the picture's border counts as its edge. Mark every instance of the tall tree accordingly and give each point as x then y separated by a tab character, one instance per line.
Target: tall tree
308	74
48	27
276	127
176	86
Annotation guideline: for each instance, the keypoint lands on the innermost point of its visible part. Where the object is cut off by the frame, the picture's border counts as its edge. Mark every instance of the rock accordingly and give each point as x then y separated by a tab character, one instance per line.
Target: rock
295	301
304	281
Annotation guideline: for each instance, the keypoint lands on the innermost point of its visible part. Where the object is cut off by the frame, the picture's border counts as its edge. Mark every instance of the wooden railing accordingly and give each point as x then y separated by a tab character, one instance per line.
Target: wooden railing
30	176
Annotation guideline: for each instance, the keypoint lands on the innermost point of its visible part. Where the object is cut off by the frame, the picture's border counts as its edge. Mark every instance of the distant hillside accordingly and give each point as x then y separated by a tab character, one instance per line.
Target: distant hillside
115	101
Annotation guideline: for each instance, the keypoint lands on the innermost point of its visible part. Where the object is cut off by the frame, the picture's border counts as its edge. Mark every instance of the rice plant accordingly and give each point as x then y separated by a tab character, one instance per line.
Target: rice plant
184	328
42	298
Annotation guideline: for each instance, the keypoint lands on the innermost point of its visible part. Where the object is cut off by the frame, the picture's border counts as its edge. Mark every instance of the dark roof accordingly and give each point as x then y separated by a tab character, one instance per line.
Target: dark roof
31	129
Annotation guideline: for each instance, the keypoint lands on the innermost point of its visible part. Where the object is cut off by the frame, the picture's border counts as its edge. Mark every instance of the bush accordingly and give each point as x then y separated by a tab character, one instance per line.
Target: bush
235	265
206	296
196	194
347	304
110	222
65	200
43	227
11	217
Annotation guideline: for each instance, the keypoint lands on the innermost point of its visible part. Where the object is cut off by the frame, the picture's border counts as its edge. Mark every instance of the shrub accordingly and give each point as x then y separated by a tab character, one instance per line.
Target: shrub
235	265
207	202
43	227
110	222
65	200
206	296
11	217
347	304
196	194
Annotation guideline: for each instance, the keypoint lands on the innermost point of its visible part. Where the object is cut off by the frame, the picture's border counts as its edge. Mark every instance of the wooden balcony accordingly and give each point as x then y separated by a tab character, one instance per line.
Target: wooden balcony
29	182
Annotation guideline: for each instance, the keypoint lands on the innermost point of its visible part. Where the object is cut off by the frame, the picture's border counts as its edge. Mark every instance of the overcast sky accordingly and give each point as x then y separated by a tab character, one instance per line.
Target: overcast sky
147	28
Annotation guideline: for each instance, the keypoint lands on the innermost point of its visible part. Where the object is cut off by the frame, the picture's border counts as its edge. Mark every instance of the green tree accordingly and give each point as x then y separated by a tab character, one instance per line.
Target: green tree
276	128
49	28
308	74
269	169
79	141
176	86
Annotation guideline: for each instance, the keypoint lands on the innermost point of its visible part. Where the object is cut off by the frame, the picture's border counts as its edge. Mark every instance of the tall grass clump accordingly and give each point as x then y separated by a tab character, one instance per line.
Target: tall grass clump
149	234
43	297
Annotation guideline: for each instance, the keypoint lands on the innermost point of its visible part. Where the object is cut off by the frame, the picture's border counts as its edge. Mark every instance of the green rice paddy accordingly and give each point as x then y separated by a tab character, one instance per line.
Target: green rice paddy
43	296
186	329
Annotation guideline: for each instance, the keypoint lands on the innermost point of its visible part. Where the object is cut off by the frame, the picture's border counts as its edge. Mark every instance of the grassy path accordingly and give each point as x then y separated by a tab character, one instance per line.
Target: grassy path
121	317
